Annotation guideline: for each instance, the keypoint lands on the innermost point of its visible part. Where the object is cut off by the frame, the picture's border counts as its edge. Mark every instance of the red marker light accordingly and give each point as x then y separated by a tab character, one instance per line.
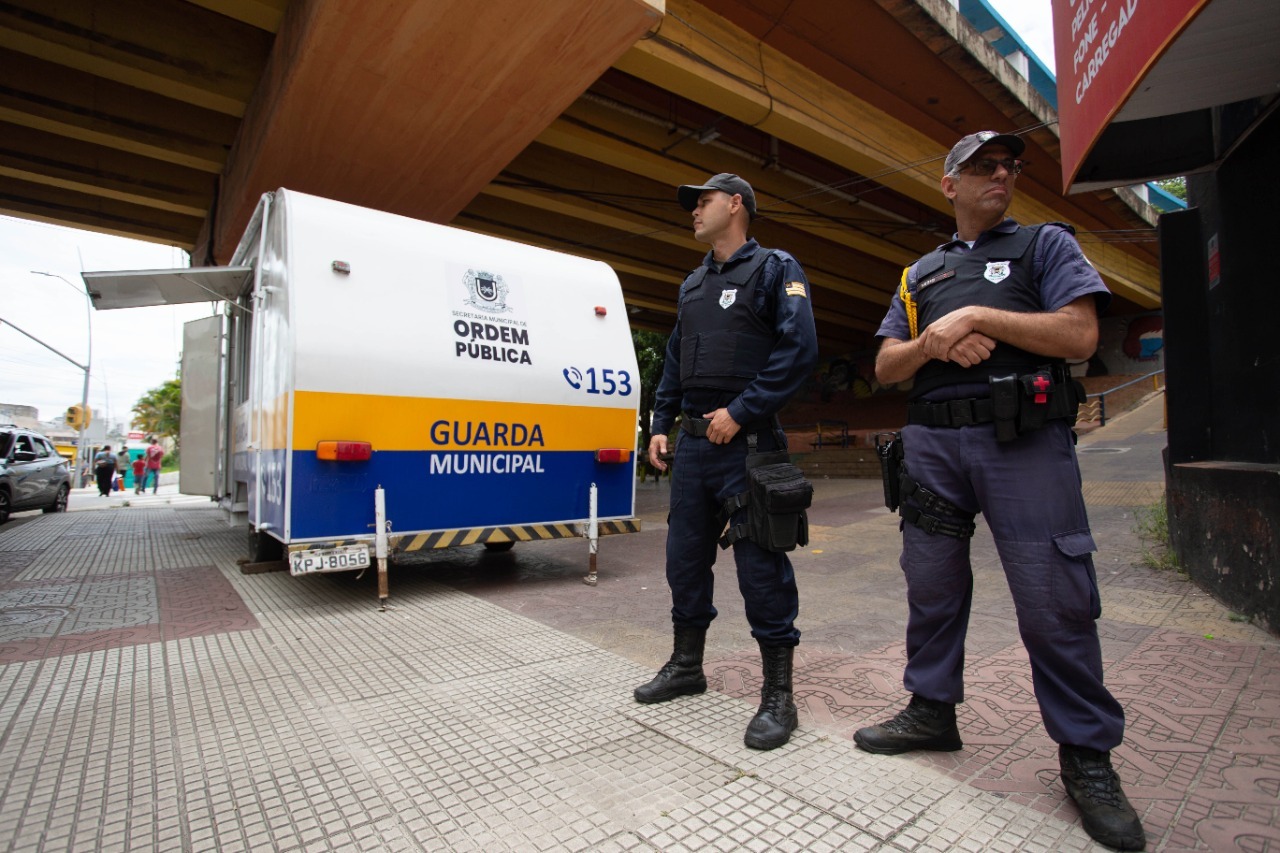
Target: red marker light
613	454
601	310
344	451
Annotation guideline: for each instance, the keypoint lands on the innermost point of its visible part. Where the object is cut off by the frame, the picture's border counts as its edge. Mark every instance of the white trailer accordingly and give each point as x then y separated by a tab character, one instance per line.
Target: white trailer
377	385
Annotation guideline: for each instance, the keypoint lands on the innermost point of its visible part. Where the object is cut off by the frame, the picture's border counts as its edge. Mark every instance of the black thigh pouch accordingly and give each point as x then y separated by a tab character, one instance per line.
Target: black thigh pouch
776	499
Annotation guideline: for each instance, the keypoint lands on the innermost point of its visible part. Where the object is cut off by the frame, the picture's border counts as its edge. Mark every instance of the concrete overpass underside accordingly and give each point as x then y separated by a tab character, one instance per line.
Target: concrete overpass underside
563	123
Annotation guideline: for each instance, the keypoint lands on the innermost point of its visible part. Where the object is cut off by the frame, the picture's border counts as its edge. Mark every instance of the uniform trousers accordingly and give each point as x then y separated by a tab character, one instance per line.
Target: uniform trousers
703	477
1029	493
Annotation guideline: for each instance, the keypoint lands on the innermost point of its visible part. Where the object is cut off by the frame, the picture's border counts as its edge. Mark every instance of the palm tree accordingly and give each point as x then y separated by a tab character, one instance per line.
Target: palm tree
159	411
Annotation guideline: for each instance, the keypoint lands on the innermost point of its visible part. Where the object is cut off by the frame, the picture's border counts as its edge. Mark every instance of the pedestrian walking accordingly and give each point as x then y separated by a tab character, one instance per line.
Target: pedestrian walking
155	458
123	463
104	470
984	326
139	474
743	344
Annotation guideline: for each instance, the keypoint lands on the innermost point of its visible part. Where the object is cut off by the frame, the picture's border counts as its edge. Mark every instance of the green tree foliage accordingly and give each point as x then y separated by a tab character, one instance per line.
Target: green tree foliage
1174	187
159	411
651	349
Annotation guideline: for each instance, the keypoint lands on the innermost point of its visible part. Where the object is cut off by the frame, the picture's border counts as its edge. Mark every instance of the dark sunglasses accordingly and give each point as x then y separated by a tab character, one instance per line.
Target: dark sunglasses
987	166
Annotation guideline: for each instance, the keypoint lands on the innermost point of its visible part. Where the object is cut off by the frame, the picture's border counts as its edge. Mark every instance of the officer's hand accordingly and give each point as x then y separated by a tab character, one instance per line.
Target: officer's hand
941	335
722	428
973	348
658	449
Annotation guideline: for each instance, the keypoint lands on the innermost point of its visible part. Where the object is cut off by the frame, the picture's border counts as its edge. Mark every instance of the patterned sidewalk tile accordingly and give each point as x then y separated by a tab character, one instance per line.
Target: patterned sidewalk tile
153	697
62	616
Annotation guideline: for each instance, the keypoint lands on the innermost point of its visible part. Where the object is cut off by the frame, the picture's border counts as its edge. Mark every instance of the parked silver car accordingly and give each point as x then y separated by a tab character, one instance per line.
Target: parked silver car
32	474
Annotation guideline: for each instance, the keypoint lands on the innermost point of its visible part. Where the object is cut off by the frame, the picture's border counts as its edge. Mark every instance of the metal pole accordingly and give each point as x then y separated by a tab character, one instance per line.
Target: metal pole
82	455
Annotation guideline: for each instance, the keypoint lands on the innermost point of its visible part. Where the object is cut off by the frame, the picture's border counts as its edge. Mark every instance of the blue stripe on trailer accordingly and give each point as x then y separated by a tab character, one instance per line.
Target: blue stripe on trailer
428	490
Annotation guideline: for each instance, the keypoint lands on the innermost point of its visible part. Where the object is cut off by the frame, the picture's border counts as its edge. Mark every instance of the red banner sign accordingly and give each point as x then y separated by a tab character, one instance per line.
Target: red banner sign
1104	48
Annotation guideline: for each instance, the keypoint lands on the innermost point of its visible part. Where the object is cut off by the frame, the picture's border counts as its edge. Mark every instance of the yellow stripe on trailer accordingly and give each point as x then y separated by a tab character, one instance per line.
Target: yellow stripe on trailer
519	533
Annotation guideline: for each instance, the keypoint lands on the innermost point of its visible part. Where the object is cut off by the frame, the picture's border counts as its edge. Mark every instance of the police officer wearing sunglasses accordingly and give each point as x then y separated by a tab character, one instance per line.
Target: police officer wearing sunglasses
983	327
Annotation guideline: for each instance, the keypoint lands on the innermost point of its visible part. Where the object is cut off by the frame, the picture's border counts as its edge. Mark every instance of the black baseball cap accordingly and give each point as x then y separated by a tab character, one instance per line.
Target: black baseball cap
725	182
965	148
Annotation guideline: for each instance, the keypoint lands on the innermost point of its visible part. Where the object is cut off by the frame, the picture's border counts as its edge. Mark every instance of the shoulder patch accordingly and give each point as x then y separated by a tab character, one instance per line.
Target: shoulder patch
796	288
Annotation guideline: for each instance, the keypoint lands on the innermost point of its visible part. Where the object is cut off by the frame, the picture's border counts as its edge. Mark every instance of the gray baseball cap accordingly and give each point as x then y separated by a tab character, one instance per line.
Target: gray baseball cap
965	148
725	182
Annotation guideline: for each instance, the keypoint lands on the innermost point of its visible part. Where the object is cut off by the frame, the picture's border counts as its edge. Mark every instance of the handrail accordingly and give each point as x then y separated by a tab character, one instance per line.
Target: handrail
1101	396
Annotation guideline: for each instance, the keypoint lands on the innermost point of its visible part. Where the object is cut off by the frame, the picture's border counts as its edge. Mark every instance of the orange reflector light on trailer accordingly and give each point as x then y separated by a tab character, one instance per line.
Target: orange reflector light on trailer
344	451
613	454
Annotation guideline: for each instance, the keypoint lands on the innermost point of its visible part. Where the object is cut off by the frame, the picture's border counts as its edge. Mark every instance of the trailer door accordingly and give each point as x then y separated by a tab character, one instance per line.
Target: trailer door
201	372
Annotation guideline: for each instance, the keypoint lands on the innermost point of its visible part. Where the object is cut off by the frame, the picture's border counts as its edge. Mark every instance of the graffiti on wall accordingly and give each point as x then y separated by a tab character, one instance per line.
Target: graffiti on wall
1132	344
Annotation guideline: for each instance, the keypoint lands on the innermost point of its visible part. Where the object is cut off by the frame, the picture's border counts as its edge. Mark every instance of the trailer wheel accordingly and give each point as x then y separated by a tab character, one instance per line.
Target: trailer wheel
499	547
264	548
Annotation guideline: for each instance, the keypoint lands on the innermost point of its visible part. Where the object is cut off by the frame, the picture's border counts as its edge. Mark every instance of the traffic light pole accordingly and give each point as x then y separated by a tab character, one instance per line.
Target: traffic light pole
80	448
82	452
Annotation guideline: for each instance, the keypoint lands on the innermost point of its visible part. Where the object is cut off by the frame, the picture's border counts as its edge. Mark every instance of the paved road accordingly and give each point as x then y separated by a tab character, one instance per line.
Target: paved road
153	697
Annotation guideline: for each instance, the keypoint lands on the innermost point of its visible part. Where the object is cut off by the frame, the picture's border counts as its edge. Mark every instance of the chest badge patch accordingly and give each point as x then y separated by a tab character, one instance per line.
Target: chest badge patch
728	297
997	271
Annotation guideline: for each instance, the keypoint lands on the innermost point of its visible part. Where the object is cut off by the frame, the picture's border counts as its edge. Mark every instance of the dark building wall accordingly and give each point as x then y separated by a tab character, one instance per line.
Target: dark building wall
1223	518
1238	204
1222	303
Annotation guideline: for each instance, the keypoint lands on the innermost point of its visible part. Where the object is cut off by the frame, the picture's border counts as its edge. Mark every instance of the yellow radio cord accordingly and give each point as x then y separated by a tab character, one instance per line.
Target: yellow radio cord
909	303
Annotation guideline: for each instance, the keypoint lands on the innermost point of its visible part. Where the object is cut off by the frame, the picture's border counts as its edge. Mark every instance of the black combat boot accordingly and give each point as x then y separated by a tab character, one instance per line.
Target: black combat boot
1095	787
682	675
923	724
776	717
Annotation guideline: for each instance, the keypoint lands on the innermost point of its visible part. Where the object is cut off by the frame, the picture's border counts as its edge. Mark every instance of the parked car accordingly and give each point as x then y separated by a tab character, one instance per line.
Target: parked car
32	474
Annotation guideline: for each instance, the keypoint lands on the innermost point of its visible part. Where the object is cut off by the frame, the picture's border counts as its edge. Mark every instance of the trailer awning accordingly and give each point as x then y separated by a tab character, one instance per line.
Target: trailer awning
141	288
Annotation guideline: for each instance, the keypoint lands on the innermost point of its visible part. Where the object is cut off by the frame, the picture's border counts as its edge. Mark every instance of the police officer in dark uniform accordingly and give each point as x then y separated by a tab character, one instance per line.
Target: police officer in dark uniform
984	325
744	342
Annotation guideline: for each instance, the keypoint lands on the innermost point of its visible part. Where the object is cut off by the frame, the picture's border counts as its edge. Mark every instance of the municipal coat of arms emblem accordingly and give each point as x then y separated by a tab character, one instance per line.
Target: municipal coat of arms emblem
486	291
997	271
728	297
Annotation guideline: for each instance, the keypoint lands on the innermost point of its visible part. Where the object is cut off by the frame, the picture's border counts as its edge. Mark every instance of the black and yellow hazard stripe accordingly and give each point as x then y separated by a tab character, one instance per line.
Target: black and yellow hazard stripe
518	533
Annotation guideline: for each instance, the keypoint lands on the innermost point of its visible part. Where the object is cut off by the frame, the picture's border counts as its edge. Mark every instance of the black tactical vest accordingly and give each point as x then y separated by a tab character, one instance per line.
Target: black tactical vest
724	344
996	274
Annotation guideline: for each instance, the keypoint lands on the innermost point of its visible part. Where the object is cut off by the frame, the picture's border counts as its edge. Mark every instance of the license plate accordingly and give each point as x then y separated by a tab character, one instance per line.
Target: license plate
340	559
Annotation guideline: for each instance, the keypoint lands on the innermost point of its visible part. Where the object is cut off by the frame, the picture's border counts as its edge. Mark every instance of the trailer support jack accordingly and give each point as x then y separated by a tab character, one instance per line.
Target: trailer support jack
593	538
380	543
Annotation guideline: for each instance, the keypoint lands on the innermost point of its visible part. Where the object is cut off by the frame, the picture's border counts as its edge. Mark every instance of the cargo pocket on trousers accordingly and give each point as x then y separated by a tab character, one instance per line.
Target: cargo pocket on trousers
1075	587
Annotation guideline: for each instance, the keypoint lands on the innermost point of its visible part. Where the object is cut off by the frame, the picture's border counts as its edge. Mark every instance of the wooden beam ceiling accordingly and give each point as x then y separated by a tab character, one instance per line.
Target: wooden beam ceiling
165	119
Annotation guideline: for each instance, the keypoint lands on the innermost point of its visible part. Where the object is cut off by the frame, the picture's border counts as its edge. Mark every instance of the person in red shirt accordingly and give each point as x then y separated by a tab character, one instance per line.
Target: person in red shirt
139	474
154	456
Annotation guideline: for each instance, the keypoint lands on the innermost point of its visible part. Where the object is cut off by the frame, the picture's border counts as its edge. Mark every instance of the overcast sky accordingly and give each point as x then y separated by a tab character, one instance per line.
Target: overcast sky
137	349
1033	19
134	350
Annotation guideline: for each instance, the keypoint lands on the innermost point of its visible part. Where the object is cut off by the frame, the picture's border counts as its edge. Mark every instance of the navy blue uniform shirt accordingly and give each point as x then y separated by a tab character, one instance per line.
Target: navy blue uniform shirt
795	350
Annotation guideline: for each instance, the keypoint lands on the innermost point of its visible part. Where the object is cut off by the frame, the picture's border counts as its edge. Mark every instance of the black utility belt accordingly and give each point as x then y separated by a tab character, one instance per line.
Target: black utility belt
697	427
1017	404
